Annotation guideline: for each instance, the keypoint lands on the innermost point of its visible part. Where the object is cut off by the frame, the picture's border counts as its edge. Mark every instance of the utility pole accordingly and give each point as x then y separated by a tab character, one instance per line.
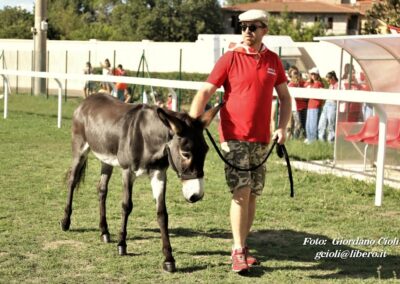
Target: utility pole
39	32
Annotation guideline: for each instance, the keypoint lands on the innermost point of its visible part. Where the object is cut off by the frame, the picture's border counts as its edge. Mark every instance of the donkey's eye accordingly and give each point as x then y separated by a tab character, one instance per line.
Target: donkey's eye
186	155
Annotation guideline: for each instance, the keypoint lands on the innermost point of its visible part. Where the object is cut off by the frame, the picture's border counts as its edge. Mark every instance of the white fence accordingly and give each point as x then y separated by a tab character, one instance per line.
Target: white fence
377	99
198	57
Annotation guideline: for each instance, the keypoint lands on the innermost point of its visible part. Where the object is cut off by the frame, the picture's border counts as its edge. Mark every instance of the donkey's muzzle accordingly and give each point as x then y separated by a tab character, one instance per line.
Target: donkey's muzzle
193	189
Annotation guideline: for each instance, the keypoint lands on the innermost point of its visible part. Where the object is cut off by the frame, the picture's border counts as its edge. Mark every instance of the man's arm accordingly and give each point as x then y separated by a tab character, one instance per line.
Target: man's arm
201	99
285	111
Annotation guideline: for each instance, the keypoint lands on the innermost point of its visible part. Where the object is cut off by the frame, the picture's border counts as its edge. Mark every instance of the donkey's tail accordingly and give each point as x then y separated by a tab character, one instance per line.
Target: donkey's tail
80	173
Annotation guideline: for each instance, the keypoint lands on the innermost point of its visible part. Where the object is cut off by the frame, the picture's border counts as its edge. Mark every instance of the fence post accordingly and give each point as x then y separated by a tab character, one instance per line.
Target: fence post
66	70
32	69
337	108
17	77
144	58
59	108
114	58
5	80
48	67
2	57
180	79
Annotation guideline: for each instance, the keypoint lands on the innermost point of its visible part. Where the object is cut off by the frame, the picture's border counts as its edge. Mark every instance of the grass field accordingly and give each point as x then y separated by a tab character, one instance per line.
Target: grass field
34	156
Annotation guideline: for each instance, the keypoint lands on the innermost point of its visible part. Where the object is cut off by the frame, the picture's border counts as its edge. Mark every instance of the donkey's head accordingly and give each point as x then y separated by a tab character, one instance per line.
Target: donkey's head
187	149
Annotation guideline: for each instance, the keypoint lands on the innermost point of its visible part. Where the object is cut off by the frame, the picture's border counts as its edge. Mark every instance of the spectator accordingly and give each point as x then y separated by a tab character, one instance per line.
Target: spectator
159	99
120	87
351	111
169	101
218	100
291	70
327	121
103	89
106	70
299	116
313	106
367	110
88	89
128	95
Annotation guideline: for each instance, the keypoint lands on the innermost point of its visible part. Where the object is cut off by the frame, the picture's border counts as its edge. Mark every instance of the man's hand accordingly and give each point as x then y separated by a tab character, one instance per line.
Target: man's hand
280	134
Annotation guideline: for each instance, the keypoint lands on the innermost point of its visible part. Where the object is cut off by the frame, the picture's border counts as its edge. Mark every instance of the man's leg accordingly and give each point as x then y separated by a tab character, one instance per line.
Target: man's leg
240	216
251	212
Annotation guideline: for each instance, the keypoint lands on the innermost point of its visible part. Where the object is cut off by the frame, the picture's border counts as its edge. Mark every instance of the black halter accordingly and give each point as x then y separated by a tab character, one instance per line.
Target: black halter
183	175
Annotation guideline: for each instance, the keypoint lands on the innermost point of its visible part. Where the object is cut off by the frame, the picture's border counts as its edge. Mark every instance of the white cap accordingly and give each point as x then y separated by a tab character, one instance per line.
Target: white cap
314	70
254	15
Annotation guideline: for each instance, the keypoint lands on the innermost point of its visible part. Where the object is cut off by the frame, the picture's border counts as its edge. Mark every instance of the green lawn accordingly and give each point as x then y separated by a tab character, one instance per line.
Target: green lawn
35	155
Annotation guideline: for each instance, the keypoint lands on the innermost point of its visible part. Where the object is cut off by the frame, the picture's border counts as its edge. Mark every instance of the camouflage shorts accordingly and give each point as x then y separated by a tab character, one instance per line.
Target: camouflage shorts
245	155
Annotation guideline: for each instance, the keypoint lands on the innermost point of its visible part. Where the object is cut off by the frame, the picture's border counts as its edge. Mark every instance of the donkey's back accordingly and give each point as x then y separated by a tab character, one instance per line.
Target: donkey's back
111	128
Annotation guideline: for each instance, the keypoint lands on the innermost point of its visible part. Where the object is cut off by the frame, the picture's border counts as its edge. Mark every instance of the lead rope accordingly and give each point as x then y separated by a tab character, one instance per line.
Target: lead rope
281	151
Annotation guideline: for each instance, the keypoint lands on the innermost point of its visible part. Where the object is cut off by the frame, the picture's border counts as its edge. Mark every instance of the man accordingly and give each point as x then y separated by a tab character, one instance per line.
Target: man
249	72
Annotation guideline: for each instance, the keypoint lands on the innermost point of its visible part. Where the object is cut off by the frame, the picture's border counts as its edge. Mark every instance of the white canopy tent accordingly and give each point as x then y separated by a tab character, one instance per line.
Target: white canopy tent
379	57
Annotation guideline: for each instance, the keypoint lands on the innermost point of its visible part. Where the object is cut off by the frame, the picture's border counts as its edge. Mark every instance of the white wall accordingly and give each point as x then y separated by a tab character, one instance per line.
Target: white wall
199	56
326	57
339	22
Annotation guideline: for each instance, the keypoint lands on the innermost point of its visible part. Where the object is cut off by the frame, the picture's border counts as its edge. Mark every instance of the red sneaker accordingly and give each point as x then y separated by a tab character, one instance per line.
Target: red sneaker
251	260
239	263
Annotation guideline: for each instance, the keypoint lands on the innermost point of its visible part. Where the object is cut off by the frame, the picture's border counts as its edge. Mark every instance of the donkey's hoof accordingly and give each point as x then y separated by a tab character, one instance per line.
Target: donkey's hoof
169	267
122	250
106	238
65	224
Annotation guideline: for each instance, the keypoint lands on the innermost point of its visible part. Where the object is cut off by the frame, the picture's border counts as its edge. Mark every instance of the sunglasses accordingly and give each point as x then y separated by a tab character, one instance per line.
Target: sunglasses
251	27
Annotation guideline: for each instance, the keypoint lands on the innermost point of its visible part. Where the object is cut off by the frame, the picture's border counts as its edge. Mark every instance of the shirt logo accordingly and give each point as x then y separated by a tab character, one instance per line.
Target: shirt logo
271	71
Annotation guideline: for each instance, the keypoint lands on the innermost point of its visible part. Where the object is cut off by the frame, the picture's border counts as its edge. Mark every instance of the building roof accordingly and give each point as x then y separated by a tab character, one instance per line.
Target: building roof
296	6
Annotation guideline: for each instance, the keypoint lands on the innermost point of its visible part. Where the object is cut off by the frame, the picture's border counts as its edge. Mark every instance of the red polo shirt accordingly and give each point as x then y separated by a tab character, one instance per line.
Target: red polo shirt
314	103
301	104
120	86
248	80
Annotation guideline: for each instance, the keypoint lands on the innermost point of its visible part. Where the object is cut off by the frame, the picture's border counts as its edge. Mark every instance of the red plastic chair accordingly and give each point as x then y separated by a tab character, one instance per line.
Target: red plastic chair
392	132
392	135
394	144
370	129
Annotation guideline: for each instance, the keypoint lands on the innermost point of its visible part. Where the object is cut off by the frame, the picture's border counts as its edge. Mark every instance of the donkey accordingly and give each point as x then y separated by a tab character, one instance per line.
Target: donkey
140	139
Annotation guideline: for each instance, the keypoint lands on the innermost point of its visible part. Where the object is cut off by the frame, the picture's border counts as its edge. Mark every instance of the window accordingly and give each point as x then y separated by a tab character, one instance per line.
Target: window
329	24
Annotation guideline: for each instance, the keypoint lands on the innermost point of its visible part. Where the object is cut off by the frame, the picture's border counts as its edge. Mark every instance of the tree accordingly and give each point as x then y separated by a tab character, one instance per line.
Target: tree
284	24
133	20
80	19
387	11
162	20
16	23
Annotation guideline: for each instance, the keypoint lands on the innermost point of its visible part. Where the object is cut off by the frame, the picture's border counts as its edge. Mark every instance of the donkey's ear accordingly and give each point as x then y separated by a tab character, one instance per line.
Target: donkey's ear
208	116
170	121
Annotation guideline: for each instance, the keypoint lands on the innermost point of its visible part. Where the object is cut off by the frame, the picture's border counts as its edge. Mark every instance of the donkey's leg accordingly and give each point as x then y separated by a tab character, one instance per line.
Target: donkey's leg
106	172
77	171
158	185
127	206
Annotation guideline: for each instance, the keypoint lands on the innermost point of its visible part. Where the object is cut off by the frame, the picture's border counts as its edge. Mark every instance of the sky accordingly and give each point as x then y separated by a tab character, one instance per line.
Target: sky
24	4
